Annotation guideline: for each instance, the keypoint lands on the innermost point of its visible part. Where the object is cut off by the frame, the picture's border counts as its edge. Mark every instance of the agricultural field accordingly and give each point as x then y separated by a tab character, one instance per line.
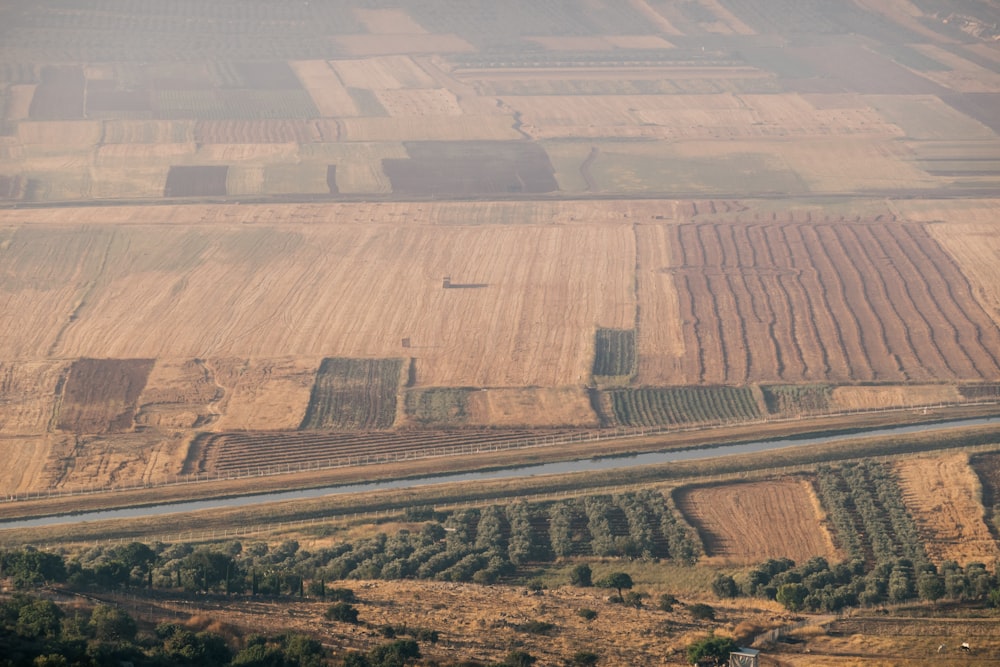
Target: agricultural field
655	406
748	523
354	394
944	496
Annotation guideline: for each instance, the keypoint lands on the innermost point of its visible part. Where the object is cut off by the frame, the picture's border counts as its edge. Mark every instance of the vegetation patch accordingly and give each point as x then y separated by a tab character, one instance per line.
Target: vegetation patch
438	405
663	406
196	181
354	394
614	352
792	399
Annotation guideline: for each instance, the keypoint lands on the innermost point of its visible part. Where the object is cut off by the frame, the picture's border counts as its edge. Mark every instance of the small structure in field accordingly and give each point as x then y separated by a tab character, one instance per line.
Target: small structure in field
745	657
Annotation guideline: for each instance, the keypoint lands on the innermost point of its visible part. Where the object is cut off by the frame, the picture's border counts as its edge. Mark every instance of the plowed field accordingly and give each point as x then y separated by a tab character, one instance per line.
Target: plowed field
941	493
749	523
824	301
100	395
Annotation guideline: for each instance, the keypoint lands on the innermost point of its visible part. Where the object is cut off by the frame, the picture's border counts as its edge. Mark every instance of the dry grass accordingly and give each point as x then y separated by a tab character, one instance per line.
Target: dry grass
267	394
880	397
942	494
27	391
749	523
24	459
660	336
551	406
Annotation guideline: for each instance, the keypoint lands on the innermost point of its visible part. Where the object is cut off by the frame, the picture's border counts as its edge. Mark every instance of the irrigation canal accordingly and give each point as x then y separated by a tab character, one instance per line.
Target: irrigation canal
580	465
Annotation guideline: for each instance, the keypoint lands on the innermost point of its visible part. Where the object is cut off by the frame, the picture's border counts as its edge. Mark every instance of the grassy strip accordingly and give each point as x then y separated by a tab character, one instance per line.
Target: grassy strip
393	501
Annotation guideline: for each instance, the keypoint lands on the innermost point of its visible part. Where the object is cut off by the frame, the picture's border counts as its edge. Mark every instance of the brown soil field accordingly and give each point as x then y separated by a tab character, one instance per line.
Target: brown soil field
100	395
748	523
913	319
200	181
943	495
879	397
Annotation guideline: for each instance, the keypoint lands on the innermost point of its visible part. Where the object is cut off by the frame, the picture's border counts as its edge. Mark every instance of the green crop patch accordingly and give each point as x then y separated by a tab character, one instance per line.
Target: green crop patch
794	399
354	394
663	406
614	353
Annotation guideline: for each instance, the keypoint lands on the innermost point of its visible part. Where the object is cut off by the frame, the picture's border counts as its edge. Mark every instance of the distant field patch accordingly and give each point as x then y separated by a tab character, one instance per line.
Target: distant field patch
27	391
460	168
664	406
100	395
614	352
268	75
60	95
875	397
378	45
749	523
388	22
441	406
354	394
196	181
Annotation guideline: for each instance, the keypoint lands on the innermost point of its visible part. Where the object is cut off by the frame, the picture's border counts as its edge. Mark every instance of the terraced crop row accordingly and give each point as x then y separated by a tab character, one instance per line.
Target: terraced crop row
654	406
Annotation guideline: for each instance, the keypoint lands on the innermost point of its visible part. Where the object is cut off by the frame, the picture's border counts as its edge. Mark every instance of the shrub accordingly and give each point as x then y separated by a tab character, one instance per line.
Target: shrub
587	614
343	612
581	575
701	612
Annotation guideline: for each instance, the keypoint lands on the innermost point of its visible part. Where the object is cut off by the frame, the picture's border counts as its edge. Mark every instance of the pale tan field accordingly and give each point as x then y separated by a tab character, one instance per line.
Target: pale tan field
27	390
749	523
143	154
325	88
19	101
245	181
601	43
962	75
553	406
62	134
262	394
926	117
126	182
148	132
180	394
876	398
301	178
660	346
420	102
944	495
332	290
24	459
429	128
382	73
388	21
122	460
976	249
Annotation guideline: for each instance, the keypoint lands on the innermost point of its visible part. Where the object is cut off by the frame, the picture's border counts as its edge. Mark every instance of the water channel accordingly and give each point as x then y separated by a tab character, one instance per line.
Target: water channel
579	465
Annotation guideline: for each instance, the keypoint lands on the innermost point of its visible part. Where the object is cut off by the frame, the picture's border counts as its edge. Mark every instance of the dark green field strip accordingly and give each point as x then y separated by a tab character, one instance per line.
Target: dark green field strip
656	406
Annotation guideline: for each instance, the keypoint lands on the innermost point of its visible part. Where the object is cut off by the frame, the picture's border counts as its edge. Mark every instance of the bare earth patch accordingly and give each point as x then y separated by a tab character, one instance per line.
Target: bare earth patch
942	494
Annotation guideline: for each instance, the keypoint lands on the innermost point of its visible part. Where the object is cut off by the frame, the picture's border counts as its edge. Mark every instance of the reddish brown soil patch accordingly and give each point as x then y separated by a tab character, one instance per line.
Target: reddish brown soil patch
471	167
201	181
100	395
826	301
60	95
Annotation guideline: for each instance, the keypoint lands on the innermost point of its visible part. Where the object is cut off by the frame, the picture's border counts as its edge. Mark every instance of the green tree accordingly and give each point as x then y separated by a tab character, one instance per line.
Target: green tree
701	612
792	596
716	649
519	659
112	625
394	654
582	576
725	586
620	581
584	659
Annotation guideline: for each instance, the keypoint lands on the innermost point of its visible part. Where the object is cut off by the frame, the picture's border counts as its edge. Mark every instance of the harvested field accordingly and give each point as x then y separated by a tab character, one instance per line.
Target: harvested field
388	21
302	178
147	132
260	393
957	73
100	395
383	73
430	128
752	299
354	394
796	399
975	247
180	394
129	459
461	168
125	182
202	181
267	75
24	459
880	397
748	523
27	391
67	135
500	407
943	494
245	181
346	289
928	117
118	103
255	132
325	88
419	103
253	153
143	155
